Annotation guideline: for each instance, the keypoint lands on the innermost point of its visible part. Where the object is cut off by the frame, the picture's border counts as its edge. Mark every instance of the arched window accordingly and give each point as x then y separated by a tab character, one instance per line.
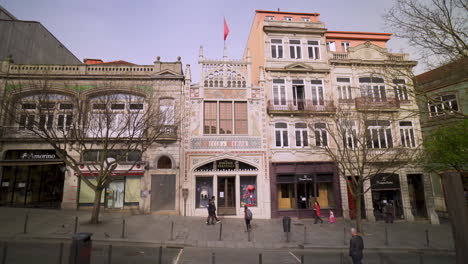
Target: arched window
164	162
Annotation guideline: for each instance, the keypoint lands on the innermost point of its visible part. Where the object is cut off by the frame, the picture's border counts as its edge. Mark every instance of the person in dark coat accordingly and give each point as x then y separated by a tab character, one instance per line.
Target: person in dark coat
389	213
211	213
356	246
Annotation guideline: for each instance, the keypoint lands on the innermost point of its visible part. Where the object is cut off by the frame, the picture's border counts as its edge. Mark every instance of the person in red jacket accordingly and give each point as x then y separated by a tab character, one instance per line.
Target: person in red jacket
317	213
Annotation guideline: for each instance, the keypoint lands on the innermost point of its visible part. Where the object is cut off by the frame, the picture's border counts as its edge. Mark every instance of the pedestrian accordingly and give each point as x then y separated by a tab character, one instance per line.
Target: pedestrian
214	211
317	213
211	212
389	212
247	217
332	217
356	246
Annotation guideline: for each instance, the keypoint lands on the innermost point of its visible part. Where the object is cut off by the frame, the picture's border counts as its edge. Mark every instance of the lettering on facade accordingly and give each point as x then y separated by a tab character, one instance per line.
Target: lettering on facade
224	142
385	181
31	155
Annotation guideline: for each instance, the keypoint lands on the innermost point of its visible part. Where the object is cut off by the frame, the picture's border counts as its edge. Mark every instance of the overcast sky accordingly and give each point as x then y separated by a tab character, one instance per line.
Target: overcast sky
140	30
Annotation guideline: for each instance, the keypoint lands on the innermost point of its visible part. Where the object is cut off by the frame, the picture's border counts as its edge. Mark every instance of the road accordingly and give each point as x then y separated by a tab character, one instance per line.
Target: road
39	252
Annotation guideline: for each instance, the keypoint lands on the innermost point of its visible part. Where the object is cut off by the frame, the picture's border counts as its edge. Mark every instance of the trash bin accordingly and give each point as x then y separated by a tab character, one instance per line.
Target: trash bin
80	251
286	224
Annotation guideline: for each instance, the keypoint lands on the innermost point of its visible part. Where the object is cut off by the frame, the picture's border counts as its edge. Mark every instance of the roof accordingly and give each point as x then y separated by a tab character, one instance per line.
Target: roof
100	62
358	35
444	75
287	13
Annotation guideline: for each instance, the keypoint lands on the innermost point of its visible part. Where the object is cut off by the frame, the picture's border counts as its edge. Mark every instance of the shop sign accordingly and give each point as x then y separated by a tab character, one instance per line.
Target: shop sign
385	181
221	143
305	178
28	155
226	164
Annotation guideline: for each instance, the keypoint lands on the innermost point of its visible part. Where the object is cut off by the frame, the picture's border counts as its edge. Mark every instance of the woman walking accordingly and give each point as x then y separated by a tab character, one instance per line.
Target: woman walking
247	217
317	213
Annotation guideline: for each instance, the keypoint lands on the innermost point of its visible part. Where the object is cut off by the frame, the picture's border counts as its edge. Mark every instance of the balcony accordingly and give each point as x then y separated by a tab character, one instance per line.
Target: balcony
167	133
302	107
372	104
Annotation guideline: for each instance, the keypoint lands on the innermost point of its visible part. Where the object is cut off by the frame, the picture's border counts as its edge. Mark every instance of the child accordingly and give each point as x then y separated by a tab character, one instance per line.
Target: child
332	217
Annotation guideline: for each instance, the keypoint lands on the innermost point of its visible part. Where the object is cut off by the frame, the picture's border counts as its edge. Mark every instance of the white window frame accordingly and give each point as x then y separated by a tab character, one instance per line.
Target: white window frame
321	135
345	46
317	92
279	97
306	19
313	49
407	135
276	47
301	134
270	17
400	89
331	46
286	18
375	133
350	140
375	91
344	88
295	49
442	105
282	133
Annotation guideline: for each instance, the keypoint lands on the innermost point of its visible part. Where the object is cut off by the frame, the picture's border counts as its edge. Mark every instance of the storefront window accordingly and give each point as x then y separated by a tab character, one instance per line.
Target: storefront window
248	191
204	192
286	196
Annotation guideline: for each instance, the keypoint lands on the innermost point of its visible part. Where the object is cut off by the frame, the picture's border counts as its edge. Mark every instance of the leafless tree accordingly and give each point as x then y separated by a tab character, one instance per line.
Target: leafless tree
98	135
362	146
437	28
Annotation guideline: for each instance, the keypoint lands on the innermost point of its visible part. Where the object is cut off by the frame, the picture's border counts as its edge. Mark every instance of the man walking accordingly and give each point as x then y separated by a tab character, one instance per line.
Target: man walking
247	217
389	212
356	245
211	212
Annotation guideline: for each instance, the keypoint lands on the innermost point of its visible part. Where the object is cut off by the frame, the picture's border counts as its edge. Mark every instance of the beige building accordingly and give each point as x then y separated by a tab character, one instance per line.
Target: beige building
224	146
32	175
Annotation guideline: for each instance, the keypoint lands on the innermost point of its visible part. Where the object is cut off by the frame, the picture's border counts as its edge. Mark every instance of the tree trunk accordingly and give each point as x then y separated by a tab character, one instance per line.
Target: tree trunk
358	212
458	214
96	206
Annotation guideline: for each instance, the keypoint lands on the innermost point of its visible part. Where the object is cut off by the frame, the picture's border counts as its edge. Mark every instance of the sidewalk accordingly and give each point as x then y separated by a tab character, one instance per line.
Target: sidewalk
193	232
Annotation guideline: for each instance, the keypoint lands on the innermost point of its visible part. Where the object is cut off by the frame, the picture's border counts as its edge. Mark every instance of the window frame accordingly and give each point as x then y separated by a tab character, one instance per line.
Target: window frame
317	92
374	133
302	140
283	134
281	97
374	89
344	88
407	135
276	45
321	135
345	46
296	49
235	120
441	106
313	50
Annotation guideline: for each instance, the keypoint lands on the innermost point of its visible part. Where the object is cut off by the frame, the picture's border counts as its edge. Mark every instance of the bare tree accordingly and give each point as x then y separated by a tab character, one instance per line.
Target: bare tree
437	28
362	146
98	135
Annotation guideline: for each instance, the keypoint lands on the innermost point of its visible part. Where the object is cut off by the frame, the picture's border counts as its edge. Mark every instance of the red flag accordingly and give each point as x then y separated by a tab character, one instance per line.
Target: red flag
226	29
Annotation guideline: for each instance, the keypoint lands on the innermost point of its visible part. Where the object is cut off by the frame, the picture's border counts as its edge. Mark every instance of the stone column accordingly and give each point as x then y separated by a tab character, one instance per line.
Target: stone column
368	202
70	190
429	199
405	196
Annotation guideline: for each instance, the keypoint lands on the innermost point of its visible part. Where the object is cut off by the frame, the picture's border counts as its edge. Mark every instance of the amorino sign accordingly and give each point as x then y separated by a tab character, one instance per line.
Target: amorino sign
225	142
385	181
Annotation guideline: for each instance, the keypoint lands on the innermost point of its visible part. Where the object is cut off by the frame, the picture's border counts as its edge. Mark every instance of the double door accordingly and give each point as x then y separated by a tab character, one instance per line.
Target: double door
115	194
226	196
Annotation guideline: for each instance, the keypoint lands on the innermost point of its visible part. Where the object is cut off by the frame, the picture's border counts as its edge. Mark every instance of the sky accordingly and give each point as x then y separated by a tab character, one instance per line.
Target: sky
140	30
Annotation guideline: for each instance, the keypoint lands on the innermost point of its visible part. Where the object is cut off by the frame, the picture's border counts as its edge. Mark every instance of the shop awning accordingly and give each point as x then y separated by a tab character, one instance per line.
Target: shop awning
29	163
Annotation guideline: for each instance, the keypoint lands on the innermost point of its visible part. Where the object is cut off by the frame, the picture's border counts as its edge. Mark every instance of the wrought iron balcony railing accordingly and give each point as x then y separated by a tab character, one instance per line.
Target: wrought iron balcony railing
301	106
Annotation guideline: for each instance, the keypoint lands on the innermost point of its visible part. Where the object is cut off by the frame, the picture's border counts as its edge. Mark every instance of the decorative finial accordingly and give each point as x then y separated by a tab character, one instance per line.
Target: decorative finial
178	58
158	58
200	53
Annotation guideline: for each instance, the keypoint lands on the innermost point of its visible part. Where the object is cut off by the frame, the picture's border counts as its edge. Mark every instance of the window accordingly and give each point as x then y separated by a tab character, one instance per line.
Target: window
350	136
295	49
399	87
270	18
204	191
248	191
313	49
277	48
166	108
345	46
281	135
344	89
306	19
288	18
232	117
321	135
373	88
164	162
302	139
279	92
440	105
379	134
407	134
298	94
64	121
317	92
331	46
119	155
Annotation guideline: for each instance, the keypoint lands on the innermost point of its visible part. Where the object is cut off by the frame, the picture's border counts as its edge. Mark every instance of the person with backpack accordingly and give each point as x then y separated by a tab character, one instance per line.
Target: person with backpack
247	217
211	212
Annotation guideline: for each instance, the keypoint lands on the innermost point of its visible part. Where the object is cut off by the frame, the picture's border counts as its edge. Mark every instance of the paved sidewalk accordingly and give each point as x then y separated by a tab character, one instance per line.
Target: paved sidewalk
193	232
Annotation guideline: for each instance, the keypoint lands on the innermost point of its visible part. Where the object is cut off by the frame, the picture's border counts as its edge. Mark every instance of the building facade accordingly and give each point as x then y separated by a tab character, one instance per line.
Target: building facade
224	142
32	174
310	75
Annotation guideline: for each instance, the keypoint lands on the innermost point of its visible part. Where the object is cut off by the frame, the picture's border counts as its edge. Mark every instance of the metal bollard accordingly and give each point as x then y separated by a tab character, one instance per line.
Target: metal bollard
260	260
109	254
160	255
5	249
427	237
305	234
123	228
213	259
76	224
386	237
220	231
172	231
26	219
60	253
287	237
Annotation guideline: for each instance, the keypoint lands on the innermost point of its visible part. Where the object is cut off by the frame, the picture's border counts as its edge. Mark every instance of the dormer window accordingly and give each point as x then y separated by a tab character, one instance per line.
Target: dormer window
270	18
288	18
345	46
306	19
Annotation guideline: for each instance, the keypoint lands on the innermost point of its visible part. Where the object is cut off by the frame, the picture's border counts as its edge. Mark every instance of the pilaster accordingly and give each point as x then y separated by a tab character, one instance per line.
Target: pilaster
429	198
405	196
368	202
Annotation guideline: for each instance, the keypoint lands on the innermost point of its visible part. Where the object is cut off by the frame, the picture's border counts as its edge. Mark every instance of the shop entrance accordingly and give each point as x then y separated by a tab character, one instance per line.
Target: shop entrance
381	197
162	192
416	195
115	194
226	195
